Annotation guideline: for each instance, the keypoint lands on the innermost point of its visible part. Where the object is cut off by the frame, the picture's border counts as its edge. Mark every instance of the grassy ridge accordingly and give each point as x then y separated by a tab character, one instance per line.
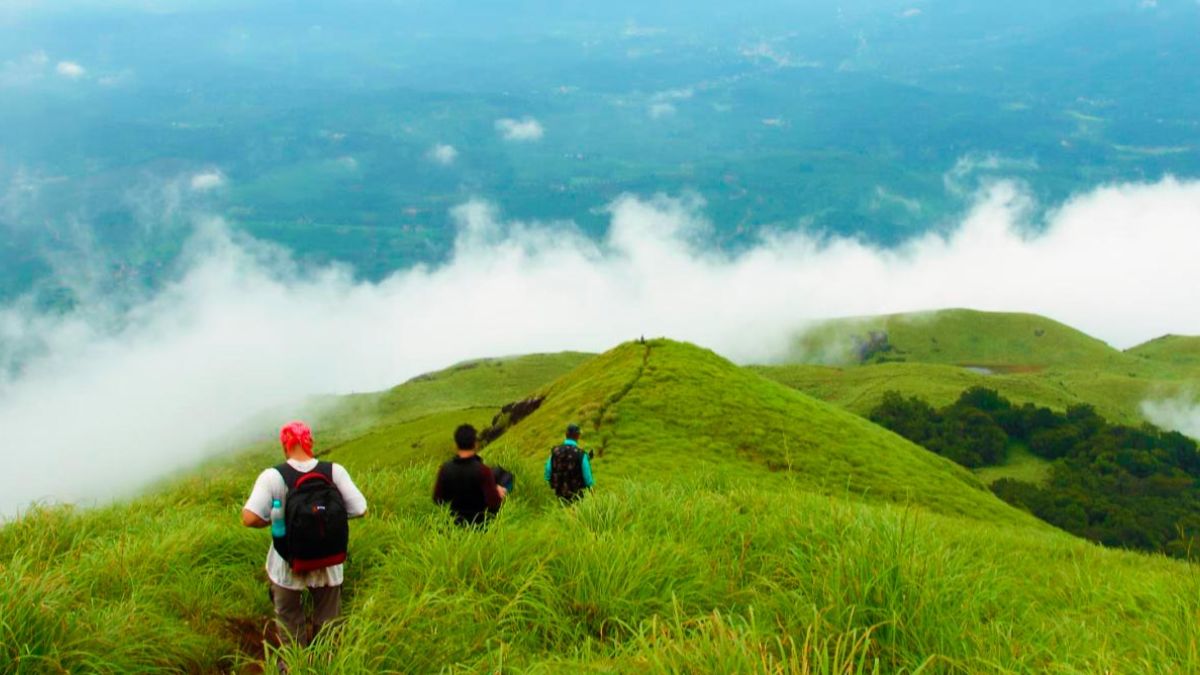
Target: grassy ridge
1030	358
1176	350
649	408
960	337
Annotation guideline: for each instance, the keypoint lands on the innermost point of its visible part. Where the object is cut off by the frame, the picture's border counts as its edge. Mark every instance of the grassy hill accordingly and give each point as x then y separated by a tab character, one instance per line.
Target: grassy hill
1027	358
648	408
1177	350
1004	342
738	526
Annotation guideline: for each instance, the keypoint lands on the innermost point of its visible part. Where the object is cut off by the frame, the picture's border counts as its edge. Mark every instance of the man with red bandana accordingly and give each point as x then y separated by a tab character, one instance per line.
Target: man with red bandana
287	587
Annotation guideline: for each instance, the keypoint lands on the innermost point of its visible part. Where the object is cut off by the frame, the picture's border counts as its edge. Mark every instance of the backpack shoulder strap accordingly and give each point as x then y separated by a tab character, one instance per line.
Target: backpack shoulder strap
325	469
289	473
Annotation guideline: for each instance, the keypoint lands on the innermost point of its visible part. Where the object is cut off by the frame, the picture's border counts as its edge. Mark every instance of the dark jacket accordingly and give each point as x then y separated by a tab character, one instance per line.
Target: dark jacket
469	487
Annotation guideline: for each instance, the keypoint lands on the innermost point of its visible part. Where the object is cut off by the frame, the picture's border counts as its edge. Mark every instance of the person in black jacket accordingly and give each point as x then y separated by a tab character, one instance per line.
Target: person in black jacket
467	484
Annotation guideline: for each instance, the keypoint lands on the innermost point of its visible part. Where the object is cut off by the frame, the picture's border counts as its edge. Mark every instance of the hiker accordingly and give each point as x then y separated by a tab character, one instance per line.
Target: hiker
569	468
472	489
310	552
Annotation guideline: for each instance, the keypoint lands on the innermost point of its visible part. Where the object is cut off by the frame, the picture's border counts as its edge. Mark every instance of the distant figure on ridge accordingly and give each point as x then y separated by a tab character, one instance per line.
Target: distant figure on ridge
472	489
306	503
569	468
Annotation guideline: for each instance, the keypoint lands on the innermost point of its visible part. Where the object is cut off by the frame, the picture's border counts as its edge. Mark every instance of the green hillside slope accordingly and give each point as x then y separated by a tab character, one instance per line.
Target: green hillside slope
860	389
1026	358
1181	351
1002	341
407	422
647	408
737	526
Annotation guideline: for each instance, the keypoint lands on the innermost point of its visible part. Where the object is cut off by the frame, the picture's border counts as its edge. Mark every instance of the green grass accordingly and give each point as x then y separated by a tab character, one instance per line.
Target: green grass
483	384
648	408
1032	359
738	526
1021	465
960	337
1176	350
666	573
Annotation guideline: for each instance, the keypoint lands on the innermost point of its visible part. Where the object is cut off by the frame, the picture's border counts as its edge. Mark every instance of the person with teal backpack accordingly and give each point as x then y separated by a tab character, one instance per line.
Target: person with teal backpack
569	468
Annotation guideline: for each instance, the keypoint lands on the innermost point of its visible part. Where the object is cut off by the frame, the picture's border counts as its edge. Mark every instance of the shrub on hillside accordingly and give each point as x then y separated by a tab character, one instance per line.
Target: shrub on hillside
1117	485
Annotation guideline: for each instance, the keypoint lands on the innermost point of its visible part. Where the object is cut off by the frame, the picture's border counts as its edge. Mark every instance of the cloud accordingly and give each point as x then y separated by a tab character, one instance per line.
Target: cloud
442	154
634	30
207	180
765	51
1181	413
524	129
662	103
70	70
971	172
150	384
661	110
25	70
911	12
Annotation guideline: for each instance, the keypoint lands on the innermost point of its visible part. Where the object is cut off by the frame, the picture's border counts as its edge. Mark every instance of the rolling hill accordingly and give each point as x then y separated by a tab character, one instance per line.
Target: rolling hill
1176	350
1001	342
1027	358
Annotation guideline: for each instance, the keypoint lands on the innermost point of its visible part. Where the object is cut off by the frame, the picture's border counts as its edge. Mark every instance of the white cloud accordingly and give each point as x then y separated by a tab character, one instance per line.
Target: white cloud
634	30
243	329
70	70
765	51
661	110
207	180
524	129
680	94
662	104
1181	413
442	154
911	12
25	70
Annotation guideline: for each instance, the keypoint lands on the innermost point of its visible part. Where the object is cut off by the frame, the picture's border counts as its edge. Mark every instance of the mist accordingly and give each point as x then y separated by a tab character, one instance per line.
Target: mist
1181	413
99	408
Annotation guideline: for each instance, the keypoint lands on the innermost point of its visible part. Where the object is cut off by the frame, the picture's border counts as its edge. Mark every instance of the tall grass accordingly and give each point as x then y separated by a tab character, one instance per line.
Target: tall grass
666	573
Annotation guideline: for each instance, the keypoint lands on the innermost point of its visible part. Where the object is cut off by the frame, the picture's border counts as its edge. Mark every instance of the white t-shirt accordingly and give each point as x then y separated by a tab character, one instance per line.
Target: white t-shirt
271	486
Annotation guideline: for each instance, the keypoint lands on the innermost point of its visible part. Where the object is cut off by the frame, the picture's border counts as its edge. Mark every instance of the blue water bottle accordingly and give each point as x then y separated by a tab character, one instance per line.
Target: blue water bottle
277	527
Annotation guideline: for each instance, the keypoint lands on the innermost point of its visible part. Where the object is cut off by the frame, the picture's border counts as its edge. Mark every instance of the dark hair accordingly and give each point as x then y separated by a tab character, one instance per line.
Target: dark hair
573	432
464	437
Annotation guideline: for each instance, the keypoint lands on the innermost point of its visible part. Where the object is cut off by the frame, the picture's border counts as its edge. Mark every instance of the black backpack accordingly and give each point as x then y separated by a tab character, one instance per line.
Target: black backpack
317	527
566	471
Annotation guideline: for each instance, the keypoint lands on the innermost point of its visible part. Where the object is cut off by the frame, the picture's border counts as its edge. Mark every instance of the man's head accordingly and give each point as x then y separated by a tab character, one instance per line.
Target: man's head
296	437
573	431
466	438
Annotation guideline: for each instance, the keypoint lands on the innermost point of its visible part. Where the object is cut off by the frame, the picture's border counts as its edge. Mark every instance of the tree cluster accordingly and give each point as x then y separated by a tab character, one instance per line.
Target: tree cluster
1132	487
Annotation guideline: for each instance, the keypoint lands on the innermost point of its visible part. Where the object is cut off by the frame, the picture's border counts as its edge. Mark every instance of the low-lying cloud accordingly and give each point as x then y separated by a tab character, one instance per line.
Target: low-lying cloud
1181	413
442	154
207	180
245	328
70	70
522	130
